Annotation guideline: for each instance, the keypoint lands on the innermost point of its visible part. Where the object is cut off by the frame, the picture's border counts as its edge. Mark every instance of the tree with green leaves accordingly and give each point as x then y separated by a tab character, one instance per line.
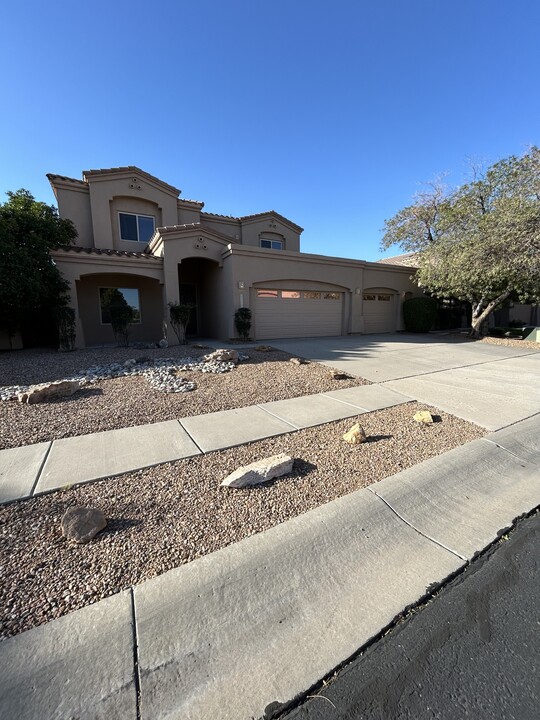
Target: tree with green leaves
31	284
479	242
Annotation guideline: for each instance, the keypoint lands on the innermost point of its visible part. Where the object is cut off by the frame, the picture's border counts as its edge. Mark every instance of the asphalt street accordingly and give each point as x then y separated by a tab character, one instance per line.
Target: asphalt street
472	651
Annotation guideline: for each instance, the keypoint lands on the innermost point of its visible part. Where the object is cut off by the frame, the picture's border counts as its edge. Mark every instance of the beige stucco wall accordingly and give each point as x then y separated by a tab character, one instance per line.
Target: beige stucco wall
106	188
231	228
302	271
150	298
74	204
134	205
253	229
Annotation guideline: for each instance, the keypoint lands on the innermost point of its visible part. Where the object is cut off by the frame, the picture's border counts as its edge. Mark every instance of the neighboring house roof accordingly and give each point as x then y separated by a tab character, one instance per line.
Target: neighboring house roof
106	251
405	260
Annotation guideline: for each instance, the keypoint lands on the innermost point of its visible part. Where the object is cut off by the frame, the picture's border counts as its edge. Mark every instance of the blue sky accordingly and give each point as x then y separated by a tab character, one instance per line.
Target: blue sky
331	113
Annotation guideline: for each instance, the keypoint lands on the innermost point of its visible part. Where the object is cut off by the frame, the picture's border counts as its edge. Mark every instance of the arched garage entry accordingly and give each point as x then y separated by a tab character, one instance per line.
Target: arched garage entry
380	310
143	293
289	308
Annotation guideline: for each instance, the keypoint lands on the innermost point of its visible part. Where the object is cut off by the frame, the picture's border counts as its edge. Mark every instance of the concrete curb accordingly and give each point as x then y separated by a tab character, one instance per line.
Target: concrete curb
256	624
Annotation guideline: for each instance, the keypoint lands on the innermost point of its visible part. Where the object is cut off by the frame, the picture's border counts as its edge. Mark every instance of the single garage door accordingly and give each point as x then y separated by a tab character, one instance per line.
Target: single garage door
297	313
379	315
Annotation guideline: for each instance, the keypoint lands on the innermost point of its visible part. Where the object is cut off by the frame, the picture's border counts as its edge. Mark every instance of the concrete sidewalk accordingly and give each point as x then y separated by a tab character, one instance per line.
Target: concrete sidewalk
243	630
34	469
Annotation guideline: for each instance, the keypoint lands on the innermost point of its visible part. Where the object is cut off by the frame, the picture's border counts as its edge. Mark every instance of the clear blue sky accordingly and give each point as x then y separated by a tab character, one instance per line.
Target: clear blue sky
332	113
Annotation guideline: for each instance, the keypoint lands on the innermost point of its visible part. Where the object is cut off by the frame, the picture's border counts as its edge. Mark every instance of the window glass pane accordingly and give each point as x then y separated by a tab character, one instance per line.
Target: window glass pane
310	295
128	226
110	298
370	297
146	227
385	298
290	294
273	244
267	293
332	296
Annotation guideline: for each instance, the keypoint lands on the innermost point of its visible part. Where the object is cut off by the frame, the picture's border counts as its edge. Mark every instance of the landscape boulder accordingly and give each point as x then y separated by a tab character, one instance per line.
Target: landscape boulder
222	355
298	361
81	524
424	416
260	471
355	435
48	391
339	375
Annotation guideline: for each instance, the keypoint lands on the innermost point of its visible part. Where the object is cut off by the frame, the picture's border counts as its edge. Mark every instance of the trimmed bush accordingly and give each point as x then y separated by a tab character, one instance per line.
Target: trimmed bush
242	322
179	314
419	314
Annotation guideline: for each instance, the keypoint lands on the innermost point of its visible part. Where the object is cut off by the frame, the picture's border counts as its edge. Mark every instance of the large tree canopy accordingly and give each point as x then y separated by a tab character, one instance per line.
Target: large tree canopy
479	242
30	282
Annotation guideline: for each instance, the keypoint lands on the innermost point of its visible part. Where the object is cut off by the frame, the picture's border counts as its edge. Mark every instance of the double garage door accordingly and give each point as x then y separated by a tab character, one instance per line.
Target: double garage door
297	313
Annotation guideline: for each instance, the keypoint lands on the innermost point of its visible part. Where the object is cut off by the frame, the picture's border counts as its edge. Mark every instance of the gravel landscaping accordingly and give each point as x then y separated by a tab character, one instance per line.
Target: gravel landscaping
128	401
165	516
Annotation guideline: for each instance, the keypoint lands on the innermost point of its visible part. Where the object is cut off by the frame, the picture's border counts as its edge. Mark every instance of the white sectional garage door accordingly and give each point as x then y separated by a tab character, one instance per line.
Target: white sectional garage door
297	313
379	314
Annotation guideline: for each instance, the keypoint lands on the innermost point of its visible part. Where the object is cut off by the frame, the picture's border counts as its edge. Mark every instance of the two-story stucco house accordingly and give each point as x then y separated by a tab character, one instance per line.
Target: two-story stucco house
137	234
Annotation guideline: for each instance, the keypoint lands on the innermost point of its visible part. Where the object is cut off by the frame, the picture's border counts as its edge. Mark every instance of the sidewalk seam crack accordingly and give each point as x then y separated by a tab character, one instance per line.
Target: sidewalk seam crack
136	664
39	472
427	537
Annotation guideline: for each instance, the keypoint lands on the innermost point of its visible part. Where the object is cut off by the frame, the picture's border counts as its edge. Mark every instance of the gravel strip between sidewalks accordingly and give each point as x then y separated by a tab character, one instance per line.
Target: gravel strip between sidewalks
129	401
168	515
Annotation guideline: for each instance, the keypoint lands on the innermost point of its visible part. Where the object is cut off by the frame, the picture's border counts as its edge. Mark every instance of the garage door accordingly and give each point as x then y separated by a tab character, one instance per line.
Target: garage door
297	313
379	315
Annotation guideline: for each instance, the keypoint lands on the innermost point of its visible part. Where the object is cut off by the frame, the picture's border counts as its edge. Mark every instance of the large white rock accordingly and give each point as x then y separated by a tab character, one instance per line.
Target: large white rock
222	355
260	471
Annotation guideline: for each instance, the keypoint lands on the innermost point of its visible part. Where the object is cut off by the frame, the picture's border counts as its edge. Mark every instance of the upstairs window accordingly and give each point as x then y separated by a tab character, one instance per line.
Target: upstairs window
137	228
272	244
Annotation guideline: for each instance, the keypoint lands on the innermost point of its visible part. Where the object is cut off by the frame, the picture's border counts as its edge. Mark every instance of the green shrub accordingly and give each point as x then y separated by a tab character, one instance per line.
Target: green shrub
242	322
419	314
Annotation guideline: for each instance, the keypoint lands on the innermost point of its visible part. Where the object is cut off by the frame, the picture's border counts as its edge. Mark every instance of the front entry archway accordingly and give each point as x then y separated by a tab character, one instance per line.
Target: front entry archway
199	285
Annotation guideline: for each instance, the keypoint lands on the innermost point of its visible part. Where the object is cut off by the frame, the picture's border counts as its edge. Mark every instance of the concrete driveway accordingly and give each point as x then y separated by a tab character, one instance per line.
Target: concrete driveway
490	385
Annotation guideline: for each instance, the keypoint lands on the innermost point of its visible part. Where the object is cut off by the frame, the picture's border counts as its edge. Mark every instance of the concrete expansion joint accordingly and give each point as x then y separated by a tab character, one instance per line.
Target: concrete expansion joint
404	520
191	437
501	447
136	662
40	470
294	428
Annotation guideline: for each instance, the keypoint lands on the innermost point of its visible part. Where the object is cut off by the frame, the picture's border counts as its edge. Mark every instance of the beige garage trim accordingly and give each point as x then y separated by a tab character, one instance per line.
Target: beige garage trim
297	313
379	310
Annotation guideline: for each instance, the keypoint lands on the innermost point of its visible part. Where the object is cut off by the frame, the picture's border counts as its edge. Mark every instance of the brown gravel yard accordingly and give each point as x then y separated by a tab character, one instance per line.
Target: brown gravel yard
165	516
129	401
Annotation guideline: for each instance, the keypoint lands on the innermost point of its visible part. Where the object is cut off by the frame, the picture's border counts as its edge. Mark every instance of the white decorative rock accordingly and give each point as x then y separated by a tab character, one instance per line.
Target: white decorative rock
260	471
222	355
163	344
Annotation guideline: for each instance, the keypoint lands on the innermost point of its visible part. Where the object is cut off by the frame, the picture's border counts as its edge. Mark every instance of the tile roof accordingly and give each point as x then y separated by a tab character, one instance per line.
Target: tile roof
194	226
52	177
272	213
130	169
406	260
218	215
107	251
